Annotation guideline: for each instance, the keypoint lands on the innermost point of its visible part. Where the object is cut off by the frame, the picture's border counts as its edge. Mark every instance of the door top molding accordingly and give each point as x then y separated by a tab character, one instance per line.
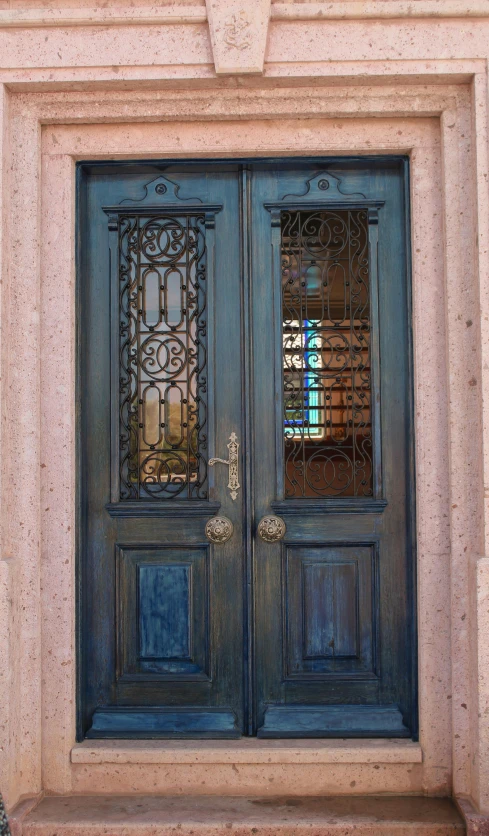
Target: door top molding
160	190
322	182
163	194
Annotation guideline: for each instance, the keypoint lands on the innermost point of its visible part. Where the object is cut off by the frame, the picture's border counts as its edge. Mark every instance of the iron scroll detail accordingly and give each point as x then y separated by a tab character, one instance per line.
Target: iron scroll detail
326	352
325	246
160	272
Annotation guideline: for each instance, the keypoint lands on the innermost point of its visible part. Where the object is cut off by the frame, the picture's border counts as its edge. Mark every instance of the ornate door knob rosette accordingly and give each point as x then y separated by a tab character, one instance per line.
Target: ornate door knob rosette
219	529
271	528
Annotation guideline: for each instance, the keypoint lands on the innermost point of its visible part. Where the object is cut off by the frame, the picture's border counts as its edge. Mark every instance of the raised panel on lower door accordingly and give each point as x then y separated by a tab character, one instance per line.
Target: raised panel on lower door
329	600
165	593
163	647
330	605
164	628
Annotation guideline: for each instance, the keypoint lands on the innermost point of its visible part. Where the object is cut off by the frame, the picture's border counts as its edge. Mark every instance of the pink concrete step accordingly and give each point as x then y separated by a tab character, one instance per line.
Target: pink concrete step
237	816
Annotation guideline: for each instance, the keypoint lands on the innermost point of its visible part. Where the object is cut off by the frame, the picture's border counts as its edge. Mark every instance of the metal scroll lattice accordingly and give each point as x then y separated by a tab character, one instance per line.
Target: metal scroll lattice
162	303
326	353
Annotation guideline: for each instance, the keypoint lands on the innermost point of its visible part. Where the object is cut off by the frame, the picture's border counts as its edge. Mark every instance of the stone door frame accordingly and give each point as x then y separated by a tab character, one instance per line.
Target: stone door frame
442	127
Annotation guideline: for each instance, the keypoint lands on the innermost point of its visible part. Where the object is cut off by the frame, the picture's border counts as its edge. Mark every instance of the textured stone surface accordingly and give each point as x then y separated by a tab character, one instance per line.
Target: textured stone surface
356	85
248	750
62	143
151	816
20	812
475	823
203	135
238	31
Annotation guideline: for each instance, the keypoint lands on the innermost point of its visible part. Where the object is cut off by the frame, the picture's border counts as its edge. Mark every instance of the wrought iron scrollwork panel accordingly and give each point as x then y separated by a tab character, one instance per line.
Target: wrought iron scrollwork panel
162	356
326	353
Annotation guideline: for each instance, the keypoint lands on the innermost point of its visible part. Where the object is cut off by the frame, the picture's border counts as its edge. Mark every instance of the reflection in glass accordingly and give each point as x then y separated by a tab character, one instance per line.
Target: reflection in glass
326	353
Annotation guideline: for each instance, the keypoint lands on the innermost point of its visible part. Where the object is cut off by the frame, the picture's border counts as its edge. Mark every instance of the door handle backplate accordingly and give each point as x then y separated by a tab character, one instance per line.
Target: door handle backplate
232	463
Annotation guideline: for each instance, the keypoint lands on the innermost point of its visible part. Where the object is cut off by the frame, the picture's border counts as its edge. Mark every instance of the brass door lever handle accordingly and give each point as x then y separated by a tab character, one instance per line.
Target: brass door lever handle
233	464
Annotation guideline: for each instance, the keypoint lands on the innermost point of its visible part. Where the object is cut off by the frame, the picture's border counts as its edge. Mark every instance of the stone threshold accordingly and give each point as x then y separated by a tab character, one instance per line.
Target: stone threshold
247	750
232	816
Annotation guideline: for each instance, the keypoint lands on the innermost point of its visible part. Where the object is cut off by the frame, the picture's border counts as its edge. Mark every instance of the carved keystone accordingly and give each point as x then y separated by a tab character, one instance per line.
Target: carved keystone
238	31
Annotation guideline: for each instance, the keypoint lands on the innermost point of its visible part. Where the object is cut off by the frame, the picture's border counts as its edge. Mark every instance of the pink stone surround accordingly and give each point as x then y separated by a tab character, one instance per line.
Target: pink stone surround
128	82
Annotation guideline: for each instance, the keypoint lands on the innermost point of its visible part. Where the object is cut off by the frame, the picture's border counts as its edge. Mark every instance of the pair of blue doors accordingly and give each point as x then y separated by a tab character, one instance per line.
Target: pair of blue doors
246	549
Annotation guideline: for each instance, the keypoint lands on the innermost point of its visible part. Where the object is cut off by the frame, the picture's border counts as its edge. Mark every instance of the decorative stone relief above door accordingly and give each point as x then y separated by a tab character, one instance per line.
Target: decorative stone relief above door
238	34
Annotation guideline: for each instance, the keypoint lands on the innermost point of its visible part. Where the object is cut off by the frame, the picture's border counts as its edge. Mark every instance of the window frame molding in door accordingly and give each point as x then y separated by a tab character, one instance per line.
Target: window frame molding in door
313	200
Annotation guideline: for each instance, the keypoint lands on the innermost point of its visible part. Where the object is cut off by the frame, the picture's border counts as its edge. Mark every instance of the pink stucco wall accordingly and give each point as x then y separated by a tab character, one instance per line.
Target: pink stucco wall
129	81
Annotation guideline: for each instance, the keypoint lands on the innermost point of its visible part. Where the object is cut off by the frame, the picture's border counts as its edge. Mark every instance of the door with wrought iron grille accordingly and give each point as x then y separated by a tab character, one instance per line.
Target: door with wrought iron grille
332	450
246	557
162	627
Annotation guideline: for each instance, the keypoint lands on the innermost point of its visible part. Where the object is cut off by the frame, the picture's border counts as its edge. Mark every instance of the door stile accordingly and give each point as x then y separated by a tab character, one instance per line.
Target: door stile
113	234
245	186
275	235
373	245
411	533
80	458
210	227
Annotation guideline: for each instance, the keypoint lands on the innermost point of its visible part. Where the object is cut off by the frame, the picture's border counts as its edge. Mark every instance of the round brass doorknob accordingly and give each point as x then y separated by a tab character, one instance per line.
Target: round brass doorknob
271	528
219	530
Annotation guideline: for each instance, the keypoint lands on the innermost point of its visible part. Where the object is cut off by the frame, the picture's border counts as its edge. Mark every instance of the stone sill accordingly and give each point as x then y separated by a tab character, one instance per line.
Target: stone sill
246	751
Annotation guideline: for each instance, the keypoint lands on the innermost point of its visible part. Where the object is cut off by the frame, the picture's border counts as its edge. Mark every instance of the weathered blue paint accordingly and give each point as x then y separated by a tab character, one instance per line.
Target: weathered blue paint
333	721
161	609
164	614
329	606
144	722
330	613
314	636
374	602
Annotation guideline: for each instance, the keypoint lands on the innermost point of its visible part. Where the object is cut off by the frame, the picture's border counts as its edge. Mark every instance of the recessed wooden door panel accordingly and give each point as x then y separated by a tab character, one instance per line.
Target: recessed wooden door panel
329	603
163	613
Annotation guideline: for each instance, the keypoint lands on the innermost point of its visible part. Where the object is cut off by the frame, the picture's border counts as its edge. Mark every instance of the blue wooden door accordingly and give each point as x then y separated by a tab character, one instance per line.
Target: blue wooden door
161	606
246	547
332	452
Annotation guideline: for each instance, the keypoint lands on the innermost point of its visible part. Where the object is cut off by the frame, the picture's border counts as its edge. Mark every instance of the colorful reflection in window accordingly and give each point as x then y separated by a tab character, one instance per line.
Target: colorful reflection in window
326	353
